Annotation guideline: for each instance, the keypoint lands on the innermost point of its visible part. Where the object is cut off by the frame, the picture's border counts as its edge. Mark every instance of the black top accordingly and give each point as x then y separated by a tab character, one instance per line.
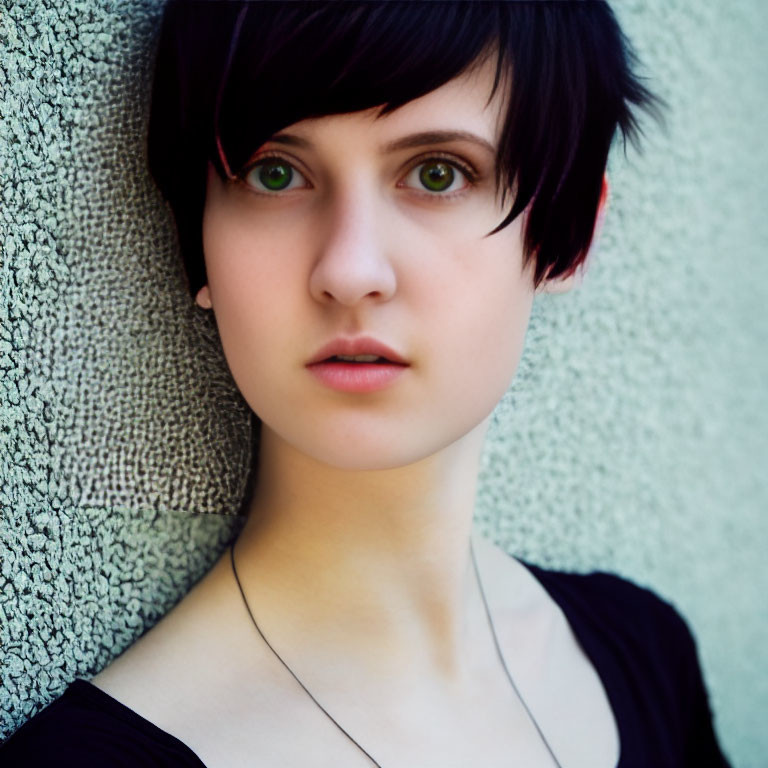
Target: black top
640	646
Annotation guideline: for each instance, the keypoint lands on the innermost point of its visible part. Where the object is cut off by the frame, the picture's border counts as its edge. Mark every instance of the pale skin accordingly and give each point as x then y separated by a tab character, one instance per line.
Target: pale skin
354	558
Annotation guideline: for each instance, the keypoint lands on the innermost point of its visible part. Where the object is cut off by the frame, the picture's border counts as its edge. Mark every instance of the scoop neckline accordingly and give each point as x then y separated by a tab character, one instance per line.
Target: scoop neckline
576	624
82	687
86	687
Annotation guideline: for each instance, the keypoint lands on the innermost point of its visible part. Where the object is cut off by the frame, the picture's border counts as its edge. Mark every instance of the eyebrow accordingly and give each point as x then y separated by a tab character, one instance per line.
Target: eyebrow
407	142
437	137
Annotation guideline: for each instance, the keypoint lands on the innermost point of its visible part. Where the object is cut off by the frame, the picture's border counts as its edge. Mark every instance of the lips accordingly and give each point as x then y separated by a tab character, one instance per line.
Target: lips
362	345
357	378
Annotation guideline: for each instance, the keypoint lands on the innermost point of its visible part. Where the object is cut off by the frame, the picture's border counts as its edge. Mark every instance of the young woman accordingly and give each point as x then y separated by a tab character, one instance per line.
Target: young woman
368	197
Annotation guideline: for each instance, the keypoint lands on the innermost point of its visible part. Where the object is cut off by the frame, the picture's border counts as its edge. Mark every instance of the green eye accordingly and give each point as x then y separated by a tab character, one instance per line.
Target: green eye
436	176
440	177
275	175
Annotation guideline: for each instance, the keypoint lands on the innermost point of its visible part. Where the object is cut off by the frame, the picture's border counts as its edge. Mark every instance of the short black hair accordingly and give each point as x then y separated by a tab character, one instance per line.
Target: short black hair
229	75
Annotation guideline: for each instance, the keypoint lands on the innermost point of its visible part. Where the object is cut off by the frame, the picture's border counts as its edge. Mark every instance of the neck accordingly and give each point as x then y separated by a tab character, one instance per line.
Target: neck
374	564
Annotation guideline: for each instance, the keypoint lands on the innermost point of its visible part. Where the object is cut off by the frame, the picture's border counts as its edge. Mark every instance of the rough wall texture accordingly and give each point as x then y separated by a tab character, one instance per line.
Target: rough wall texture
634	438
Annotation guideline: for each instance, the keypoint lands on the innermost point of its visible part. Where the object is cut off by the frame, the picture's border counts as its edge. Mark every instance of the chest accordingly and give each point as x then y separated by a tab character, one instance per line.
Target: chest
282	728
232	714
243	708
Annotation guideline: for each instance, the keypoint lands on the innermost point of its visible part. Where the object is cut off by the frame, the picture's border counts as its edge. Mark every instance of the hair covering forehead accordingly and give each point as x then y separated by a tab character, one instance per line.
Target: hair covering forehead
293	61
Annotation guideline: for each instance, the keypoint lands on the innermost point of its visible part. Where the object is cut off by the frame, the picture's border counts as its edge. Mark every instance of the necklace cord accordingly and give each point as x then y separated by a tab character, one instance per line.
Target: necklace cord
269	645
330	717
504	663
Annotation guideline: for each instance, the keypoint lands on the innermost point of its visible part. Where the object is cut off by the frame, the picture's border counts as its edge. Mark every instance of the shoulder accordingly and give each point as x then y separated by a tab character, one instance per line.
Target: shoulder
617	605
609	614
85	727
648	658
637	635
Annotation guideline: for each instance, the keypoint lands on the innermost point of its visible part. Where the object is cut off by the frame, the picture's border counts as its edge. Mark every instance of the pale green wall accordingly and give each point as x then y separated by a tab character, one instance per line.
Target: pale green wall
653	377
633	439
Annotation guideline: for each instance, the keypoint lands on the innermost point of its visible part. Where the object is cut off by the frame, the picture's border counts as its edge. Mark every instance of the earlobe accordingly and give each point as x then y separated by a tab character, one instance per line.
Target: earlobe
564	284
203	298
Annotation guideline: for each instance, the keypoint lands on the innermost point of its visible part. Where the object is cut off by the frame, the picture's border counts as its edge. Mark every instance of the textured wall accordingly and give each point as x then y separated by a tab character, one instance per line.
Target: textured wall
636	433
633	439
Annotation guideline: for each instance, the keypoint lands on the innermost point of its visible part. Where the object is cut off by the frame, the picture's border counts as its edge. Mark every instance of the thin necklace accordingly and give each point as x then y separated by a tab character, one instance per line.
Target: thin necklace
330	717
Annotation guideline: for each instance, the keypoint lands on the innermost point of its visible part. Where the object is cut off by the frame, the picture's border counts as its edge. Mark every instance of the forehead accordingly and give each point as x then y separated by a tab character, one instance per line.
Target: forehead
466	108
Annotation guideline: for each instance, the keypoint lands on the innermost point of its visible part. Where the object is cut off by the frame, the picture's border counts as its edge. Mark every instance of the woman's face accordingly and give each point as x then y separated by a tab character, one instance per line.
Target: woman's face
349	226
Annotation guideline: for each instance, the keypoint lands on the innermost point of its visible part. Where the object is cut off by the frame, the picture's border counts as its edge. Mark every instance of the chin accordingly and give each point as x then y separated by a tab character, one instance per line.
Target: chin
372	451
357	457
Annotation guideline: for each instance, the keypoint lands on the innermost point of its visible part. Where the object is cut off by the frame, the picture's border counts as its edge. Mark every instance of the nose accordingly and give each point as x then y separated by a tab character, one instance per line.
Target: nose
352	261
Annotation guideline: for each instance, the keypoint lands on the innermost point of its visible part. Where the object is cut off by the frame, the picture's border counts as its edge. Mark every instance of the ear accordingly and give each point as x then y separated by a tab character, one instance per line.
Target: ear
564	284
203	298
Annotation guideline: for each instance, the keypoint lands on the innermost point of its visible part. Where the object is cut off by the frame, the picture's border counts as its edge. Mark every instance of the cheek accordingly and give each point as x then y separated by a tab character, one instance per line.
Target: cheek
493	337
239	256
485	305
251	293
483	329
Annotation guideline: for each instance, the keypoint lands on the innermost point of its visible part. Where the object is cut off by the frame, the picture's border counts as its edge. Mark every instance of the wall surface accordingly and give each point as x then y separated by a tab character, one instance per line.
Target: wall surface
653	376
634	438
